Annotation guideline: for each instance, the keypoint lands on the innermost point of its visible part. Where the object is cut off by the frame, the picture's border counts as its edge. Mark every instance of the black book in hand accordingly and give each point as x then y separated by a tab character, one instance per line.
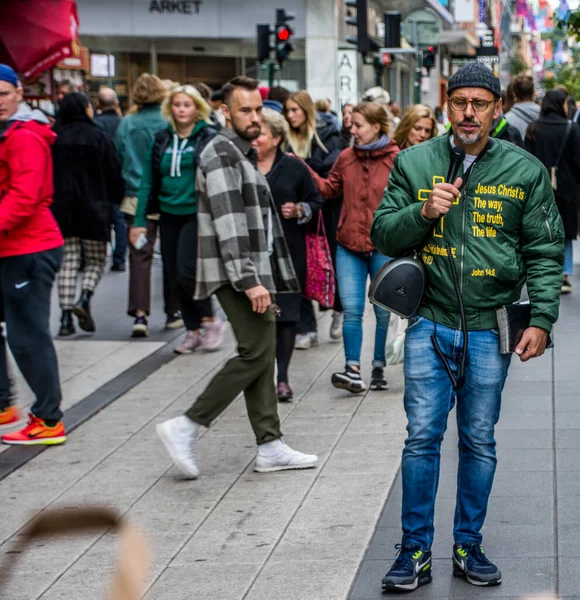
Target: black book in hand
512	321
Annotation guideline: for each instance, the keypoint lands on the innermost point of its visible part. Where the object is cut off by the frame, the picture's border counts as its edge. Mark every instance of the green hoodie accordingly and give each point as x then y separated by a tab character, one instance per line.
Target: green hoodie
504	231
178	170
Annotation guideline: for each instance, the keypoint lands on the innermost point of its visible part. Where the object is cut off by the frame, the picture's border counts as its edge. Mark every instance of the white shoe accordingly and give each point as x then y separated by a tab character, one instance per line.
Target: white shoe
277	456
336	326
305	341
179	436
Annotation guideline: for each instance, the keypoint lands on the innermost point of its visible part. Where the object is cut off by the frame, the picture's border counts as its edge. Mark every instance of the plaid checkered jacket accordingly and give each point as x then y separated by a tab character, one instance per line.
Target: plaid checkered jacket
233	199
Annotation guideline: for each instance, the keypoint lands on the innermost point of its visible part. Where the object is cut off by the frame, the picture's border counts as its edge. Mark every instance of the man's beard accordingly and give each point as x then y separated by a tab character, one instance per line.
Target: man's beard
468	139
250	133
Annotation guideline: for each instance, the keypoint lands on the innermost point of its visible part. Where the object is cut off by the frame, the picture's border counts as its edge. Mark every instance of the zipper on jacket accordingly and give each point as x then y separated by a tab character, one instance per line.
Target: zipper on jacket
547	222
464	214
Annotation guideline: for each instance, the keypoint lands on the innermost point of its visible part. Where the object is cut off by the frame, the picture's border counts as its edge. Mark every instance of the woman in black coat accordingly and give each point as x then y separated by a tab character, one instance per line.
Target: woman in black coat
87	183
297	199
318	144
550	137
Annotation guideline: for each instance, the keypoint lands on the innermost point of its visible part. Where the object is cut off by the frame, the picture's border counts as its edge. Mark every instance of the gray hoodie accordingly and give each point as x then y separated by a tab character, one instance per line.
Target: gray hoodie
23	114
522	114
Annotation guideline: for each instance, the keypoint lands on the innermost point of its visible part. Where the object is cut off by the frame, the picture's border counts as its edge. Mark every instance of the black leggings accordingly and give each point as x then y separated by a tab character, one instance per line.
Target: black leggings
179	253
285	338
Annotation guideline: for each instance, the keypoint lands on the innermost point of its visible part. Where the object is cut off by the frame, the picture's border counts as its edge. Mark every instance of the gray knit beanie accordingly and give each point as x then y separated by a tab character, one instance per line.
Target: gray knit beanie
475	75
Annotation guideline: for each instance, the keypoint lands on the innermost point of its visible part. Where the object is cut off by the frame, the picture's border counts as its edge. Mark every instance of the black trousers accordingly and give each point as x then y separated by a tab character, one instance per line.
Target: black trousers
179	253
25	288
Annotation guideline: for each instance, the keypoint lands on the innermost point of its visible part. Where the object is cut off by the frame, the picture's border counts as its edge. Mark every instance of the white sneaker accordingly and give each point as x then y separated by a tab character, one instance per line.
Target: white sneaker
305	341
277	456
179	436
336	326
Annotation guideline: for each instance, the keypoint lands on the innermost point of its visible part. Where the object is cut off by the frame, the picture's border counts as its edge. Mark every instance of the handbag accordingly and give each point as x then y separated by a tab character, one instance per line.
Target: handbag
554	169
320	276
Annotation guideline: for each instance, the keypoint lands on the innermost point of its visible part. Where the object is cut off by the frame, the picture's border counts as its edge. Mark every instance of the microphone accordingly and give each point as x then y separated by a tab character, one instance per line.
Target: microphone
457	158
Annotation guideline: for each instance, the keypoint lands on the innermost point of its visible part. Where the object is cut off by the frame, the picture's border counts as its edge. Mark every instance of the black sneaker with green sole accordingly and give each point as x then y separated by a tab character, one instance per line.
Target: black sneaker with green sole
411	569
471	563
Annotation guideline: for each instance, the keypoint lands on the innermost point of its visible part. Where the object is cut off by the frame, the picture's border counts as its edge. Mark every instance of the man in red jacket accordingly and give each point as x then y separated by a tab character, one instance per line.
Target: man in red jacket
30	255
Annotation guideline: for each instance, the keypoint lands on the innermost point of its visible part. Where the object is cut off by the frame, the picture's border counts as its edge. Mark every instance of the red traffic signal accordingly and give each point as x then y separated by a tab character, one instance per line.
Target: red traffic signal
284	34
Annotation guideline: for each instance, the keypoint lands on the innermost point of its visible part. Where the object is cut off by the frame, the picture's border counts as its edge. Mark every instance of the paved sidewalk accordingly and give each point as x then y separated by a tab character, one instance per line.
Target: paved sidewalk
533	522
232	534
96	368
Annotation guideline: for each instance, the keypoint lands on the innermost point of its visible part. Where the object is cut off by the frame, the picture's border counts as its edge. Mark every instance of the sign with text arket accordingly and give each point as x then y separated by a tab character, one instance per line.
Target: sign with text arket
172	7
347	77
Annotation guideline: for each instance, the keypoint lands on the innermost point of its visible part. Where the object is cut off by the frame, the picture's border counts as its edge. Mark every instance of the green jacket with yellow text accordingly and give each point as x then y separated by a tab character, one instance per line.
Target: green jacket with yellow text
504	231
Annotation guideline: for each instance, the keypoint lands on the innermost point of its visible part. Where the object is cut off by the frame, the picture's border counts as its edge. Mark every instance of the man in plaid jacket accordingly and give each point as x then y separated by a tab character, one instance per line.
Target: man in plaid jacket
242	258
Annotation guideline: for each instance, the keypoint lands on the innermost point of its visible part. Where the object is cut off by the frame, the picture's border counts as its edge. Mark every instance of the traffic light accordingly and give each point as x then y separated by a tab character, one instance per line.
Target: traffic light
429	58
364	44
263	42
392	20
284	33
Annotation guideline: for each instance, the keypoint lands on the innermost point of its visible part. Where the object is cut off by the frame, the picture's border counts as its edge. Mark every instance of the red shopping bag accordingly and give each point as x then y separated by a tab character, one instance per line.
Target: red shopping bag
320	277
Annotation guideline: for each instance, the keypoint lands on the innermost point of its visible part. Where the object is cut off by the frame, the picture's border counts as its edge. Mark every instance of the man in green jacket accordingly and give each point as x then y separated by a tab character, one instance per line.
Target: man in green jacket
499	221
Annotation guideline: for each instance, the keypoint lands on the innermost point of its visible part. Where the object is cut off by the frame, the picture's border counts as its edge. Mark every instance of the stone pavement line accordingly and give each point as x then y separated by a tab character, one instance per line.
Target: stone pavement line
13	457
132	479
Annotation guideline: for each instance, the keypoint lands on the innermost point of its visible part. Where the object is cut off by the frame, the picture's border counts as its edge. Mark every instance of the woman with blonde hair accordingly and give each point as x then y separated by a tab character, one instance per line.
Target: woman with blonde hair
361	174
417	125
133	141
168	188
318	144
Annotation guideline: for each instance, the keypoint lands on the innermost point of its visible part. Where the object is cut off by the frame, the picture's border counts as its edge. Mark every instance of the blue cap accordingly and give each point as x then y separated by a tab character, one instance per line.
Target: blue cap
8	74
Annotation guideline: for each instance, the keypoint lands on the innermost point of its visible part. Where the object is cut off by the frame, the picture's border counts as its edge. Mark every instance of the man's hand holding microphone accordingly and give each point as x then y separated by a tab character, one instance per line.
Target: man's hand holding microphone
440	200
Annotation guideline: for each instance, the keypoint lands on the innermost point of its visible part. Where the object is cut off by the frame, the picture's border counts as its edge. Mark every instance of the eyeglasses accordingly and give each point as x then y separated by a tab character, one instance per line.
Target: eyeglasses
478	105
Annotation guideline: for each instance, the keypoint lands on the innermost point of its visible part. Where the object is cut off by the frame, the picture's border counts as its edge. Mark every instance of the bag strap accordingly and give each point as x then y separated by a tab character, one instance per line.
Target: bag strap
320	229
563	147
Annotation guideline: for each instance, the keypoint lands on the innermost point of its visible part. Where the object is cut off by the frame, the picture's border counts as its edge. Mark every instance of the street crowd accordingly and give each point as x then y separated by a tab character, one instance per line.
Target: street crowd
267	201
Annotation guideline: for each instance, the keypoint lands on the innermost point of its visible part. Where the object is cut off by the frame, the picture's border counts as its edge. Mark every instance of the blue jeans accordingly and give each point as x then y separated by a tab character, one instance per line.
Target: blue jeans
352	269
568	268
429	397
120	228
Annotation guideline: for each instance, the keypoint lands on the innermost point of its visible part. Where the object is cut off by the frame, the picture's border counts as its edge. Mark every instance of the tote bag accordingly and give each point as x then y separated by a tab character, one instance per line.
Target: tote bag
320	277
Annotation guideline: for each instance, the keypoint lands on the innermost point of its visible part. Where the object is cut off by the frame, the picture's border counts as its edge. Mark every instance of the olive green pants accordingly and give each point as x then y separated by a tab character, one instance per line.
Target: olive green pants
251	372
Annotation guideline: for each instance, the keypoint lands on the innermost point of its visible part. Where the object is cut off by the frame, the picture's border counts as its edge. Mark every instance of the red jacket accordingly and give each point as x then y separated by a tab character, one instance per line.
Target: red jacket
26	221
362	176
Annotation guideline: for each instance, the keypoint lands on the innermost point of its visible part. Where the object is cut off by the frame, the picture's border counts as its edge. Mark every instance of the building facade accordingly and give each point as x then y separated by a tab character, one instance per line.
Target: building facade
214	40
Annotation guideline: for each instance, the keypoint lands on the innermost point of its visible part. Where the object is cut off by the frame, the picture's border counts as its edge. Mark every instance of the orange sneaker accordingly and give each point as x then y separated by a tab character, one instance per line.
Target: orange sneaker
36	433
9	415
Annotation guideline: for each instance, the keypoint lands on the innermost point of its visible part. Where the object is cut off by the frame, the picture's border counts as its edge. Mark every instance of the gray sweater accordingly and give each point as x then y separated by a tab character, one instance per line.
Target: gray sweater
522	114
